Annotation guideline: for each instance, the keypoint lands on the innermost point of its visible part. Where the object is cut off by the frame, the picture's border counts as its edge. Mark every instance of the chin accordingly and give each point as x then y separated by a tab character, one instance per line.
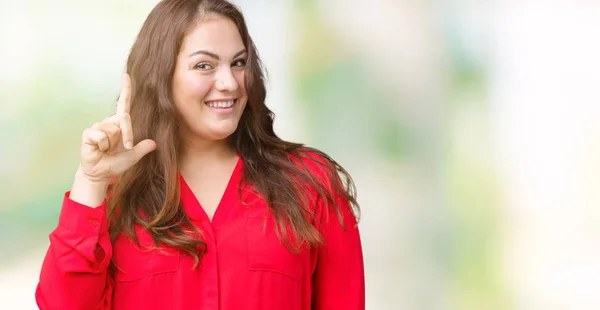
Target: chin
220	134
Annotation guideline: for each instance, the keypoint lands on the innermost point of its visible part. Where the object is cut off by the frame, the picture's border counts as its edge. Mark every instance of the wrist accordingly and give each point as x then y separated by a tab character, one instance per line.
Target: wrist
88	192
81	177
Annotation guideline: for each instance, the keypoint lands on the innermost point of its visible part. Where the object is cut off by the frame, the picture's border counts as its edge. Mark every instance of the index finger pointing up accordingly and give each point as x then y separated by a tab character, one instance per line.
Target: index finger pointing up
124	103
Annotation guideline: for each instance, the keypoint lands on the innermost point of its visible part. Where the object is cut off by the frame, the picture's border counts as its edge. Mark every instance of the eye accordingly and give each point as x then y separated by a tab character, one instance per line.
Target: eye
203	66
239	63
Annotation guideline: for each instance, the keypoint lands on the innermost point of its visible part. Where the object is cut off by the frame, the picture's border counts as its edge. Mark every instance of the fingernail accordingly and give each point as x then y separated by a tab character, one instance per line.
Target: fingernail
128	144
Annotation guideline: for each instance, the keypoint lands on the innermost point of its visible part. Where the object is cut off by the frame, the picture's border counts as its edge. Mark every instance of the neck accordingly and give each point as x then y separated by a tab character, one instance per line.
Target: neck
198	153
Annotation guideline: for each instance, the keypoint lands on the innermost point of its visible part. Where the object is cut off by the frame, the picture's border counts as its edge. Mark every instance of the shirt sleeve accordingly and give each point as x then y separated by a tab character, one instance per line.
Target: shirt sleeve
338	279
74	273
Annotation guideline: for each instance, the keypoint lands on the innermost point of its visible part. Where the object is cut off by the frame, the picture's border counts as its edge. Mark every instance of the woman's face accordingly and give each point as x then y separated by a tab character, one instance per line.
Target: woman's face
208	84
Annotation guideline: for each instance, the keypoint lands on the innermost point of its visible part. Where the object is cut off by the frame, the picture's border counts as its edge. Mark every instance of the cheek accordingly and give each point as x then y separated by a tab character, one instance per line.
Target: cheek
192	87
198	87
189	91
241	80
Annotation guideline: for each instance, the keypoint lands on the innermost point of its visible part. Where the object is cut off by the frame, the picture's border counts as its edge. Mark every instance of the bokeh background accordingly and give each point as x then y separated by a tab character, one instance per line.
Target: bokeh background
472	130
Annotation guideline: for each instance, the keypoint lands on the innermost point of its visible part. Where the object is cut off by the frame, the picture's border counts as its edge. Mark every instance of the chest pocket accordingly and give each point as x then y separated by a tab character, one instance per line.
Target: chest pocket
133	263
267	253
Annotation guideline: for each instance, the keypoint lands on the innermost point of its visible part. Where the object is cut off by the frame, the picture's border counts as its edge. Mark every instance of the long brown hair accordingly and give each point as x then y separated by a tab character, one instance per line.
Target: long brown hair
148	193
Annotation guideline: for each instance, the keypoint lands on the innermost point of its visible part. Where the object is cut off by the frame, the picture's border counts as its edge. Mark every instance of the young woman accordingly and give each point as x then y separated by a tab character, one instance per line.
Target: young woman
186	198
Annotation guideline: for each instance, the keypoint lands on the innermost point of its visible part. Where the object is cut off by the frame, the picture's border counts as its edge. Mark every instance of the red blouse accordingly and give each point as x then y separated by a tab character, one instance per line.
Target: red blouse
245	265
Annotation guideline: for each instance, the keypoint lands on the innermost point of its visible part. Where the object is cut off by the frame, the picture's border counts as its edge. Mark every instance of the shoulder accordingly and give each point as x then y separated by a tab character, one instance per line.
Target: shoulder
330	183
317	173
314	162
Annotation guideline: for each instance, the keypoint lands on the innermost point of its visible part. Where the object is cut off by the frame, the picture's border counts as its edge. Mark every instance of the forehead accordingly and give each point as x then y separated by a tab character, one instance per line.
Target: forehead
216	34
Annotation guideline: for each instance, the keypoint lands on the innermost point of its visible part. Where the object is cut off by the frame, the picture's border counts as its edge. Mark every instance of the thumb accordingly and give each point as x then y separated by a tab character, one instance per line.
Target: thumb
141	149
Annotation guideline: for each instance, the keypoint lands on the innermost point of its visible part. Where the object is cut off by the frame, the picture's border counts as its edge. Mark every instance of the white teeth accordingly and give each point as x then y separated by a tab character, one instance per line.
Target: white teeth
221	104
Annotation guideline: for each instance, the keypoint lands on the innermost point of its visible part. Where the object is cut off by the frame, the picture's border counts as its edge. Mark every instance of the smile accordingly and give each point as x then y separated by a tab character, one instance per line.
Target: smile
224	106
221	104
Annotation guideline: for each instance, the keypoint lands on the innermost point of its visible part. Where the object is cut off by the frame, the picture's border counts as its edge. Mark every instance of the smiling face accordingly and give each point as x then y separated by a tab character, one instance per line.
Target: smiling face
209	89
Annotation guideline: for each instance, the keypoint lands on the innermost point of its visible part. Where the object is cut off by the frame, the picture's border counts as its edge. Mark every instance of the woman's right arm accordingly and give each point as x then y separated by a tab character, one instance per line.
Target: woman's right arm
75	270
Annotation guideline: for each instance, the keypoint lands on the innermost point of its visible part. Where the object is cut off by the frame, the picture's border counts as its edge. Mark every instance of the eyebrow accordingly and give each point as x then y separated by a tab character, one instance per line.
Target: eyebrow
215	56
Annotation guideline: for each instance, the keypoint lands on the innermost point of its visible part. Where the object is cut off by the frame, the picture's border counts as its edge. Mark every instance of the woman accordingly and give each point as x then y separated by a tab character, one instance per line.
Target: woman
186	198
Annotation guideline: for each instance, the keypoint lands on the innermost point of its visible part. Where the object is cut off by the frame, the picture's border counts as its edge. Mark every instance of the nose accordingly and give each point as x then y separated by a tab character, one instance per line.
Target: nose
225	80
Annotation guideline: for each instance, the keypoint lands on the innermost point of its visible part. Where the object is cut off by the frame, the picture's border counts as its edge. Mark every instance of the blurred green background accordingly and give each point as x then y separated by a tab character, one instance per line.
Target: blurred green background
471	129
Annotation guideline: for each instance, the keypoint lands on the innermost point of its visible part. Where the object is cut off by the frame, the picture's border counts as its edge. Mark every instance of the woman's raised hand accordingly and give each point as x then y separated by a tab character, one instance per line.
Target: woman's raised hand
107	147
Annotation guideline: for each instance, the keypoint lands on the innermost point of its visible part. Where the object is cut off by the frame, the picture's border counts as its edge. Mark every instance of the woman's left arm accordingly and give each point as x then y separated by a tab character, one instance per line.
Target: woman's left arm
339	277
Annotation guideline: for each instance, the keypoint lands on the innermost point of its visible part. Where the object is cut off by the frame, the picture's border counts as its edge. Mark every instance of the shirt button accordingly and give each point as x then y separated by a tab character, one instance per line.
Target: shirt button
94	222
